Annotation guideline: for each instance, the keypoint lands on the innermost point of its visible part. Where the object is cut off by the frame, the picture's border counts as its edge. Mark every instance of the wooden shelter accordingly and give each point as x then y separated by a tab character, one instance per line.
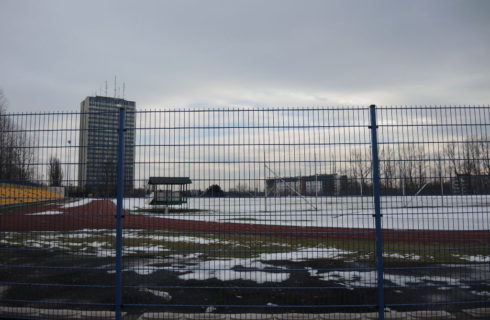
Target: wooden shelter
169	191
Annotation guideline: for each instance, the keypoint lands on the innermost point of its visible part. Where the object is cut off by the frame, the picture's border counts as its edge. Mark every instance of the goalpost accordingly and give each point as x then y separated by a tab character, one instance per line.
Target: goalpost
277	177
415	195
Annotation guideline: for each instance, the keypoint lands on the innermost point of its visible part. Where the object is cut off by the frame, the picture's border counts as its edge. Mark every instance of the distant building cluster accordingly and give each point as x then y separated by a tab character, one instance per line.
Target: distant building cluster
321	185
466	184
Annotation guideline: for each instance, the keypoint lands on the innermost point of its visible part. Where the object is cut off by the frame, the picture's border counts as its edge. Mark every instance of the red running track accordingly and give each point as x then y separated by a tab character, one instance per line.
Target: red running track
100	214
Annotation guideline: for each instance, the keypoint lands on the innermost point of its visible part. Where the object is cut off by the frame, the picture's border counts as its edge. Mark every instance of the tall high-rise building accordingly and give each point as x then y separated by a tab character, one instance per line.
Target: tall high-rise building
99	122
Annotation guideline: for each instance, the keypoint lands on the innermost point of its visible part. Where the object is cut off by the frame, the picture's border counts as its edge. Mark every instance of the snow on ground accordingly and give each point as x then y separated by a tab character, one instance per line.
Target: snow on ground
105	253
150	249
79	235
96	244
132	234
142	267
481	293
195	240
349	279
100	243
421	213
352	279
161	294
77	203
188	239
404	256
305	254
45	213
405	280
477	258
193	267
234	269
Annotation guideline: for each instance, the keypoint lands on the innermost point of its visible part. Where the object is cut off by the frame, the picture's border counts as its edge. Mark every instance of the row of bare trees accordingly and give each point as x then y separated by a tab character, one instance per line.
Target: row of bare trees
414	168
469	158
407	169
15	154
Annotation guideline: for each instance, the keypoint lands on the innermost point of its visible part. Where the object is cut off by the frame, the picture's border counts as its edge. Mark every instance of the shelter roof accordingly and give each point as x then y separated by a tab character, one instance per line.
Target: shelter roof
169	180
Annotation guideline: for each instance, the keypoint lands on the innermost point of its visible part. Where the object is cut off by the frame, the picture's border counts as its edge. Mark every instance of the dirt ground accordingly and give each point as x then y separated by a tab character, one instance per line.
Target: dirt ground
199	295
90	279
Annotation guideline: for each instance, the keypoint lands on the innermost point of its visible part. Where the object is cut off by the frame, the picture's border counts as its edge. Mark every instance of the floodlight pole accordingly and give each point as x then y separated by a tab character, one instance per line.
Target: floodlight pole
119	215
316	184
68	166
265	186
377	213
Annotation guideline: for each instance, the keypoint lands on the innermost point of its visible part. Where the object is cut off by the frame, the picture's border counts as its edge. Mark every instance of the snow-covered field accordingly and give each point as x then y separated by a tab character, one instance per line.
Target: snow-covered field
421	212
207	256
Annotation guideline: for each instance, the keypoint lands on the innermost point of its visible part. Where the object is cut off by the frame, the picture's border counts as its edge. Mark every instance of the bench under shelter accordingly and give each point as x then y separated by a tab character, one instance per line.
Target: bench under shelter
167	191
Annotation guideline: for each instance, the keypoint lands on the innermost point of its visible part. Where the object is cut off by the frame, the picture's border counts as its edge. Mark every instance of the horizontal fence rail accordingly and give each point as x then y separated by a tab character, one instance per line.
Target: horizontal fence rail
321	213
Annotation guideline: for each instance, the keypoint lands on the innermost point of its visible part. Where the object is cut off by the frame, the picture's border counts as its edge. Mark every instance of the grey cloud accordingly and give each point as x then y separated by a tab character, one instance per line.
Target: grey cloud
54	53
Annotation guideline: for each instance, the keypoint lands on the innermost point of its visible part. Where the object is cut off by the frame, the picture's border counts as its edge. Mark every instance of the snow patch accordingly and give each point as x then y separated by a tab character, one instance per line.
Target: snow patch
45	213
481	293
187	239
478	258
404	256
162	294
96	244
409	213
234	269
350	279
77	203
305	254
149	249
404	280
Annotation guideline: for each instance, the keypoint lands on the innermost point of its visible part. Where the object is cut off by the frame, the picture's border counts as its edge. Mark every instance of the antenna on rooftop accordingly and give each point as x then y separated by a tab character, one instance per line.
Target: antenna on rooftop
115	86
106	88
124	89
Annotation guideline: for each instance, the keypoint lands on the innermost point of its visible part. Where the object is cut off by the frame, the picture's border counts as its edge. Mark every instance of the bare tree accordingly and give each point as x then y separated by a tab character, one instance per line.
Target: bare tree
240	187
55	174
360	167
15	152
421	167
451	152
467	157
470	164
387	167
485	156
405	168
438	173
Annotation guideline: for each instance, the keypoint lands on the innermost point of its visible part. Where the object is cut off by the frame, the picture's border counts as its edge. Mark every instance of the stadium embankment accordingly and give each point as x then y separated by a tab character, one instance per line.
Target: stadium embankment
15	194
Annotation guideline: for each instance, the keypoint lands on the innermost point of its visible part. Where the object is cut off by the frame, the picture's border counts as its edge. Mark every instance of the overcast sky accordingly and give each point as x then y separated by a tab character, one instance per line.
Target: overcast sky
245	53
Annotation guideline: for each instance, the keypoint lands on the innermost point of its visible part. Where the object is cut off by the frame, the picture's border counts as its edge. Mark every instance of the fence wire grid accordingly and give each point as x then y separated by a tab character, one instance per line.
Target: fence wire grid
322	213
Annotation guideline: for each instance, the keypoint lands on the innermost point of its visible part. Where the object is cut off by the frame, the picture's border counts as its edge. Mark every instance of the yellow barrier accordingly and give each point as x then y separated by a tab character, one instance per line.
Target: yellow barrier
18	194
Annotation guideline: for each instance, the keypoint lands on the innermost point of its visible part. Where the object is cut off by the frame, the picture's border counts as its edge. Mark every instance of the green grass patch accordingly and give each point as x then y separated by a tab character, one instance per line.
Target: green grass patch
211	246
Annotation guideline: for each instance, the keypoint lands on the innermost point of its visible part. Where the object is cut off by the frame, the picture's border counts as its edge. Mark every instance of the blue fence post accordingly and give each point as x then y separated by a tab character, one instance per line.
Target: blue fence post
377	213
120	216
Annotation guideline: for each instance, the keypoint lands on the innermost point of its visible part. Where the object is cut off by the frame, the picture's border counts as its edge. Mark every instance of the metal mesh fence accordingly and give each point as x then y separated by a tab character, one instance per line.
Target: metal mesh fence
56	241
436	188
245	213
